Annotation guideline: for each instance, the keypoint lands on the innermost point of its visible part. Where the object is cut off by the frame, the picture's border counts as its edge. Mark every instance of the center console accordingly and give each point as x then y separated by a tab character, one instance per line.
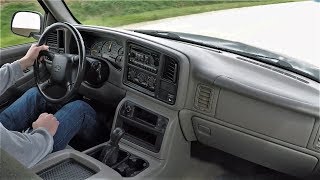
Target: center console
72	164
143	127
112	159
106	160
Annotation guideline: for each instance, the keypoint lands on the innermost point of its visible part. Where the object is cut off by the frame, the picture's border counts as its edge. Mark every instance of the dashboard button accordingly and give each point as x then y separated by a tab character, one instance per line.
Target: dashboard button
147	59
132	55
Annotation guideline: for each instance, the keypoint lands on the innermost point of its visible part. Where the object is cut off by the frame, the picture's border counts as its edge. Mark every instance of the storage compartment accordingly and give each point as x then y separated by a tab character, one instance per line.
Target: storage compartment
131	166
254	149
142	126
127	165
123	155
139	134
145	116
66	170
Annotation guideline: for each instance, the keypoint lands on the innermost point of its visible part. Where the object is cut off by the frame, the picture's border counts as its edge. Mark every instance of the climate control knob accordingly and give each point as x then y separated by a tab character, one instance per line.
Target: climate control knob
131	74
141	77
150	81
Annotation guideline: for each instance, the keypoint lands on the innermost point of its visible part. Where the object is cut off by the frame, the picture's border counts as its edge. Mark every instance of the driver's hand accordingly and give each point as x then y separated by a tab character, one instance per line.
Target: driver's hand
31	55
47	121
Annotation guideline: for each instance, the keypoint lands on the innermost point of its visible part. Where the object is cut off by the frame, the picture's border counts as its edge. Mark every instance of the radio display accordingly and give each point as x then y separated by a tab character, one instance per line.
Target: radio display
144	58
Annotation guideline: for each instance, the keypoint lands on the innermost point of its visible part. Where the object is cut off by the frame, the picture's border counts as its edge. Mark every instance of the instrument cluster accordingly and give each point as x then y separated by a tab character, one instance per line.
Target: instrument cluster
109	50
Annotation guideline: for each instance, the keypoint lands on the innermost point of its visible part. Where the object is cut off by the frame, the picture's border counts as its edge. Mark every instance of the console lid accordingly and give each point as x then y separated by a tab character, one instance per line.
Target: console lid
86	166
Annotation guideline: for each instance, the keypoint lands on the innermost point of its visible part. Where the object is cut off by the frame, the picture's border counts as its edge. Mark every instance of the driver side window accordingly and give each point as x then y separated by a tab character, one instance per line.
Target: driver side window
8	8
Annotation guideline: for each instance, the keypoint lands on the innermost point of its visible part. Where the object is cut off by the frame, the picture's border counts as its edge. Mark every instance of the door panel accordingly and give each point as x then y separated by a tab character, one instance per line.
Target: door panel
9	55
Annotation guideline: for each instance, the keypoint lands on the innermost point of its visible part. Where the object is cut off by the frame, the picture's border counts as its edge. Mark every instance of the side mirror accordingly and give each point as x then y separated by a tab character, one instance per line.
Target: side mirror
26	23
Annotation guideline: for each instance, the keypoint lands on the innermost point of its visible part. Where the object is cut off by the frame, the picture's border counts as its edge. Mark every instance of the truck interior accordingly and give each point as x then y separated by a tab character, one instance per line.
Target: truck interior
167	108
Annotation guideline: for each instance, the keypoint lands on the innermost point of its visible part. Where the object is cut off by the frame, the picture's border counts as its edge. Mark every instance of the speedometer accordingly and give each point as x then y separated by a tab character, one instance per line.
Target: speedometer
110	49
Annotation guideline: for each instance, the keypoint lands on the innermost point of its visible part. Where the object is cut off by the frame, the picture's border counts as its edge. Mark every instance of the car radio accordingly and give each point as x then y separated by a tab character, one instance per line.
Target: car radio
151	72
144	59
143	67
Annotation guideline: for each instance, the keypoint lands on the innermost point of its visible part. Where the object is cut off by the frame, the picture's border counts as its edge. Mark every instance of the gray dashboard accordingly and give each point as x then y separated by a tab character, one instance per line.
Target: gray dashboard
226	101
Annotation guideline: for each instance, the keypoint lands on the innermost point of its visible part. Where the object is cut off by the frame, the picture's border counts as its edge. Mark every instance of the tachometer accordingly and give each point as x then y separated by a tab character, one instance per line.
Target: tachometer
96	49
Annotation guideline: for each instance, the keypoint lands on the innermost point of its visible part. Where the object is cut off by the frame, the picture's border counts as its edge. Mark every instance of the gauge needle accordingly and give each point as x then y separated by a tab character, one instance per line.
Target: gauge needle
110	47
94	51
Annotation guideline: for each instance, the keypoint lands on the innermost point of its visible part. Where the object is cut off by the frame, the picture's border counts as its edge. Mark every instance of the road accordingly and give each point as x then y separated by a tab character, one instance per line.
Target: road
292	29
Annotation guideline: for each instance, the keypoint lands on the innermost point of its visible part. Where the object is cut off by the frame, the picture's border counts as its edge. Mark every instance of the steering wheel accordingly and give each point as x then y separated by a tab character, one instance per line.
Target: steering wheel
65	70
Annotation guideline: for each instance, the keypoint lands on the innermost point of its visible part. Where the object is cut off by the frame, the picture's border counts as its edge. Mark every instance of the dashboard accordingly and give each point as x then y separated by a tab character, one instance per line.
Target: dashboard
223	100
149	71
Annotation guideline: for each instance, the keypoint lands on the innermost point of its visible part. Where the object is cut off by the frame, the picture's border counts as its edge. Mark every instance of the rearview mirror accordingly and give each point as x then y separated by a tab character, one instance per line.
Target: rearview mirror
26	23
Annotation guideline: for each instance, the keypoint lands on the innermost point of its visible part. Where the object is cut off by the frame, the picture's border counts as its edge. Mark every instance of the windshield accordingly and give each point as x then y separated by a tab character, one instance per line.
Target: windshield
274	25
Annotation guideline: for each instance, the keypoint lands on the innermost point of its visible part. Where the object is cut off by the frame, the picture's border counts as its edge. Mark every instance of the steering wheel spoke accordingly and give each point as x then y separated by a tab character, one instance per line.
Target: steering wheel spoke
69	86
45	85
50	55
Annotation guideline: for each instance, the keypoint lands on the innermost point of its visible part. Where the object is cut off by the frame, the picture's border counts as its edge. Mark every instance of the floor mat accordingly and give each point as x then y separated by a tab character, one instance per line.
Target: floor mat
211	163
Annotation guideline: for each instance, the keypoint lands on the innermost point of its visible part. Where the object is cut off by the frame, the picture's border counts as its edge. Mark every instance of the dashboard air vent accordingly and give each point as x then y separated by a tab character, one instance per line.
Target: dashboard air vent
204	98
52	39
170	70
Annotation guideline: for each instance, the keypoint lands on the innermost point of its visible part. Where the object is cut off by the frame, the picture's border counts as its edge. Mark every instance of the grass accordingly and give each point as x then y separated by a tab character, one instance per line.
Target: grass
114	13
122	13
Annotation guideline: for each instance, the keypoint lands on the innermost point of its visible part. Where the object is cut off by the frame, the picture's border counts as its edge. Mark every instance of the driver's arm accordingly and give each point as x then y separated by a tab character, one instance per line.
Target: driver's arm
30	148
27	148
10	73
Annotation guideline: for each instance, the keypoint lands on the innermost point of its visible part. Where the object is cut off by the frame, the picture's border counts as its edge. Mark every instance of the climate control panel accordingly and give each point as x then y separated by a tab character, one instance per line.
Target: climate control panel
142	78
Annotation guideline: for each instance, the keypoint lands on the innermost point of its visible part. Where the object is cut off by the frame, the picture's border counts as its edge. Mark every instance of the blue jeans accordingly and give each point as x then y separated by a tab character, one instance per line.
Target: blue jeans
72	117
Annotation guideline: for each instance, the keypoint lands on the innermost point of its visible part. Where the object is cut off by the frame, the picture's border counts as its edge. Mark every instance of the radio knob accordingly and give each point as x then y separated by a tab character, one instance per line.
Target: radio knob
150	81
128	109
132	73
132	54
147	59
141	77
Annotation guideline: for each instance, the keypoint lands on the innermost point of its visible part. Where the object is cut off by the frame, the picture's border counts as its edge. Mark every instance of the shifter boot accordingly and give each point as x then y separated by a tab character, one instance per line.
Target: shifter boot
109	154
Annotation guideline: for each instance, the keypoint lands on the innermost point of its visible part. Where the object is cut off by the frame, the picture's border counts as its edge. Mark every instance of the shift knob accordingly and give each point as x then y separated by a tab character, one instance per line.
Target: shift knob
116	135
110	152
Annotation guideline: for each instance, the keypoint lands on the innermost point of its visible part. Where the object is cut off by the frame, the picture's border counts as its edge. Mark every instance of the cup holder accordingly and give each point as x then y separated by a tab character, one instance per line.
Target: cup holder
128	165
131	166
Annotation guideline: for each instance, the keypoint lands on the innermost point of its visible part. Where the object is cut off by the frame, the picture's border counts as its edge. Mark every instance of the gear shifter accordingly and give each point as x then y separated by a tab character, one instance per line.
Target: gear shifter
109	154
